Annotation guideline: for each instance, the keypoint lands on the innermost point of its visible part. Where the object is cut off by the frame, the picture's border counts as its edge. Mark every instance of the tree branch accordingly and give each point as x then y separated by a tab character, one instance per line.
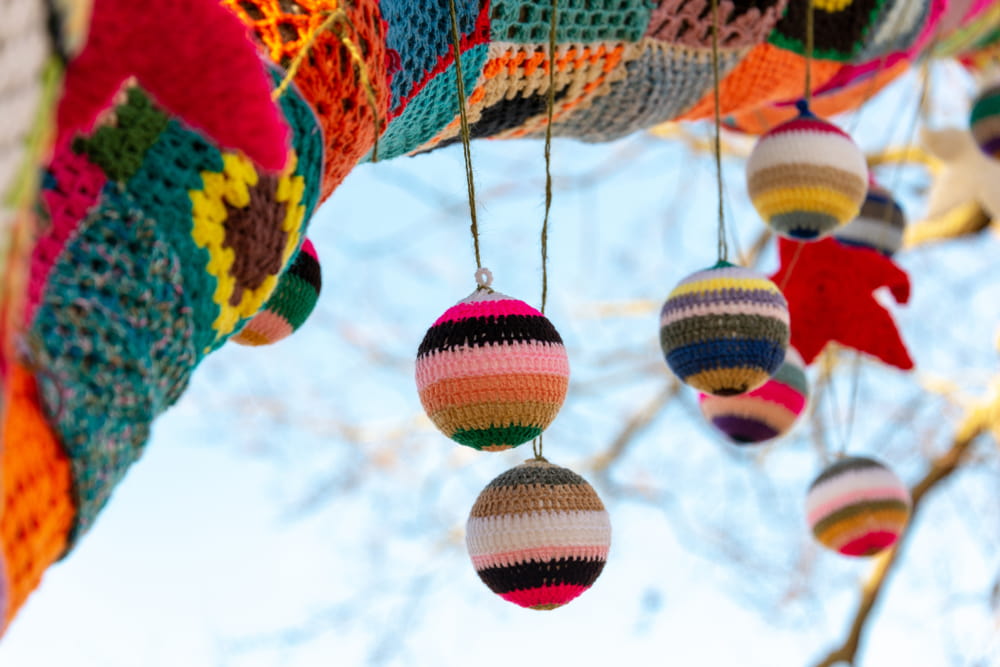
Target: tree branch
977	421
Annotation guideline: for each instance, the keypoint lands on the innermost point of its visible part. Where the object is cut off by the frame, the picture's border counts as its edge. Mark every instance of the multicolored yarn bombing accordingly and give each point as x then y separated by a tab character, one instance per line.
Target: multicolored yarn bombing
767	412
857	507
879	225
724	330
291	303
538	535
492	371
984	121
806	177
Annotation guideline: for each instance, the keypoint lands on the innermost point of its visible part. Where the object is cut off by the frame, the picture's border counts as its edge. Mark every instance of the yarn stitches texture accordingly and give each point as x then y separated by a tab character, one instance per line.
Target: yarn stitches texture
492	372
538	535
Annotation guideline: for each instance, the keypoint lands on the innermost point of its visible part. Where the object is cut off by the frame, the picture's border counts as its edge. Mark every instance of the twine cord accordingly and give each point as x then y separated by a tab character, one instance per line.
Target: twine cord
717	141
335	18
549	107
466	139
810	47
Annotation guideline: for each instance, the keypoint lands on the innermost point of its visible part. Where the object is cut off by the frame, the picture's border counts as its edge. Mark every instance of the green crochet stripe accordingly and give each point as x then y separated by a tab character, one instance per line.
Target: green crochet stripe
986	107
496	436
294	299
119	149
579	21
115	340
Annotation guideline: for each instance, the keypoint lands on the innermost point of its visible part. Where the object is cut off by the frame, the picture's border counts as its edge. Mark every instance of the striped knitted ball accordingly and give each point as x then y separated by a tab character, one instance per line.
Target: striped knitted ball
984	120
857	507
291	303
879	225
724	330
492	372
767	412
806	177
538	535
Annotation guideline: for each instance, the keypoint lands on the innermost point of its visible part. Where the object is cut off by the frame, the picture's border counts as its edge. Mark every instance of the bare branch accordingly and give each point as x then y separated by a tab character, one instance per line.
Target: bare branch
977	421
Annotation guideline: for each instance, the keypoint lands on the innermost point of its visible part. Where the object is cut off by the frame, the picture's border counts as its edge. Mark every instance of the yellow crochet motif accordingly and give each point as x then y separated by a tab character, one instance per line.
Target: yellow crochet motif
232	186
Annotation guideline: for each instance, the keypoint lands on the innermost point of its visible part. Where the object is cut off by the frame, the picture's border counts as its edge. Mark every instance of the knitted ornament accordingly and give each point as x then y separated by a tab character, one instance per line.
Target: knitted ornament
880	224
829	287
984	121
492	371
857	507
291	303
724	330
806	177
538	535
767	412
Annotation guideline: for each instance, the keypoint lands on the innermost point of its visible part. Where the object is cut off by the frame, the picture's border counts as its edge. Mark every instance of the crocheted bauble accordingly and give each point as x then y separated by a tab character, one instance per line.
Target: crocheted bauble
857	507
492	372
768	411
879	225
806	177
984	120
724	330
538	535
291	303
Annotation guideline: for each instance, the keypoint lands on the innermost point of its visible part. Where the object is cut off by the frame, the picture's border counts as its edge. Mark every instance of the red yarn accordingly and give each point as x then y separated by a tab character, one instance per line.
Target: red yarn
829	287
194	58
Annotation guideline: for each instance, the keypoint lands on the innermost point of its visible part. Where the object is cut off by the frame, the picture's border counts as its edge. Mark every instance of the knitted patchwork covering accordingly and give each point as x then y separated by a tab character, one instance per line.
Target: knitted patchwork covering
331	84
538	535
492	372
857	507
181	245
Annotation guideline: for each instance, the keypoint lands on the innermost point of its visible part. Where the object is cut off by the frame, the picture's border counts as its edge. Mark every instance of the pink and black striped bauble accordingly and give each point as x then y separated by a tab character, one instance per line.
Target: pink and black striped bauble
538	535
492	372
768	412
806	177
290	305
857	507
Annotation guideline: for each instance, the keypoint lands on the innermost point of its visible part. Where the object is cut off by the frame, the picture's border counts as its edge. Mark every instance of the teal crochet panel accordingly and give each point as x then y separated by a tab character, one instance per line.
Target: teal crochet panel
580	21
150	282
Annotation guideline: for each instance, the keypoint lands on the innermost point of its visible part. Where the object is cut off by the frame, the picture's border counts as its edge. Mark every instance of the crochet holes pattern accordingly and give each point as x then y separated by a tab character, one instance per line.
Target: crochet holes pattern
580	21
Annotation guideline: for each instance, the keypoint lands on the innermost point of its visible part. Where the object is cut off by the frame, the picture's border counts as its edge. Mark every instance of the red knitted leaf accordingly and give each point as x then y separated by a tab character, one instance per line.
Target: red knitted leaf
829	287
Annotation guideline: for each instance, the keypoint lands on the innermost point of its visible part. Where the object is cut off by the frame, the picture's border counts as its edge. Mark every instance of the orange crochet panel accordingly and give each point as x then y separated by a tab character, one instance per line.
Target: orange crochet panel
37	491
330	81
848	98
767	74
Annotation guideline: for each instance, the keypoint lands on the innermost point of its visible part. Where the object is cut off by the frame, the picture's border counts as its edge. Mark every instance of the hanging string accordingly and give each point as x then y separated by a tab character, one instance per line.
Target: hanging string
550	104
335	17
466	139
810	45
717	142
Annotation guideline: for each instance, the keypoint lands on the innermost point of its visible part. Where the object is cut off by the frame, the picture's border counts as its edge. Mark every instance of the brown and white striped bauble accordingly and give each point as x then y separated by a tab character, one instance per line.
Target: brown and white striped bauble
538	535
